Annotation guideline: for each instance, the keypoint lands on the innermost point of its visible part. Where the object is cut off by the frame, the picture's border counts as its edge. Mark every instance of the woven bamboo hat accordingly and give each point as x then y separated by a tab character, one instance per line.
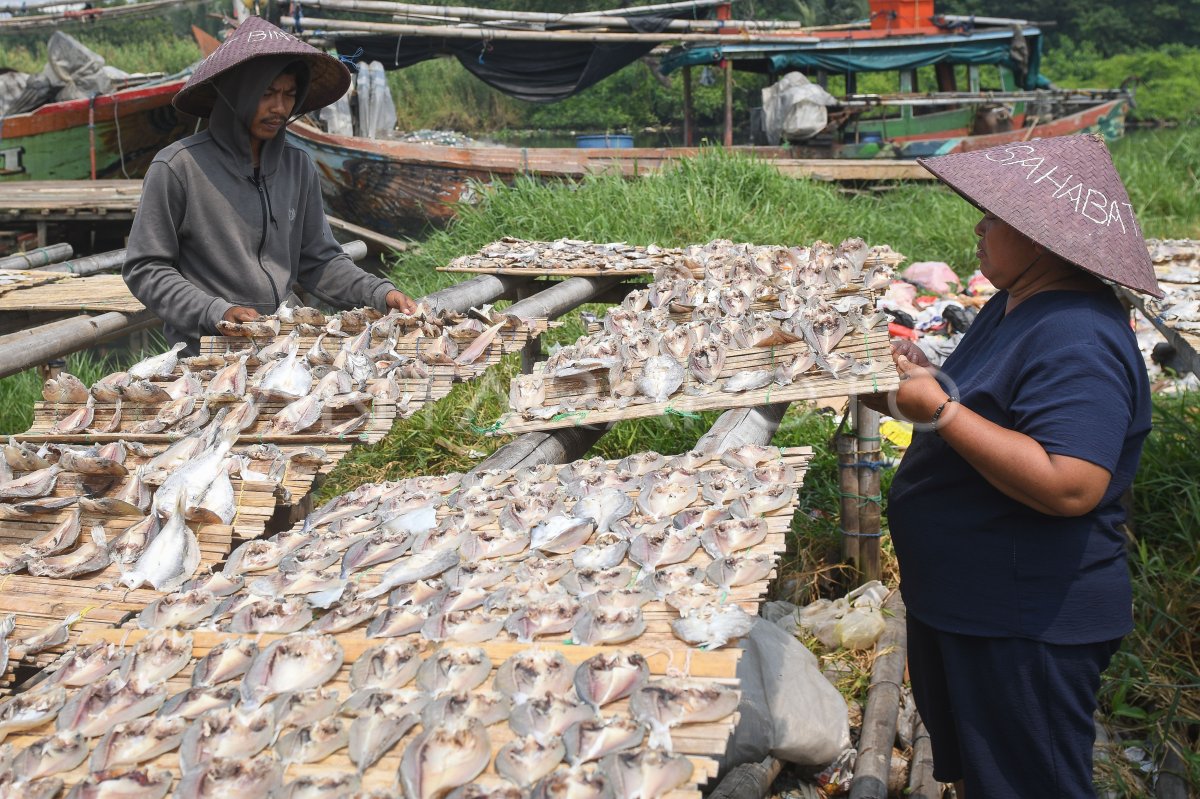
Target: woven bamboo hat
1063	193
255	38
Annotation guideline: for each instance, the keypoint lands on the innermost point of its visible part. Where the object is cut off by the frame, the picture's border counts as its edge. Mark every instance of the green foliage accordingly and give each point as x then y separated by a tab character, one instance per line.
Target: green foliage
1167	77
1115	26
161	44
440	94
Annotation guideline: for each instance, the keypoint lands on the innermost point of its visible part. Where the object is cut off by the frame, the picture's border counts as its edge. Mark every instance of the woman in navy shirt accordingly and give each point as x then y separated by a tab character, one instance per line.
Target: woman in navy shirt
1005	510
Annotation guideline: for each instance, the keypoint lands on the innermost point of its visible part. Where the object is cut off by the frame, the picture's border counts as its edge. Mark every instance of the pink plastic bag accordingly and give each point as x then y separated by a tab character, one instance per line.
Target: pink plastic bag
933	276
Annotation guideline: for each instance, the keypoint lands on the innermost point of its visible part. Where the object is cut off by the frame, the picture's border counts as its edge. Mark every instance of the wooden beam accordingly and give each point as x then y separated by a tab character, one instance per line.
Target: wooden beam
381	241
63	338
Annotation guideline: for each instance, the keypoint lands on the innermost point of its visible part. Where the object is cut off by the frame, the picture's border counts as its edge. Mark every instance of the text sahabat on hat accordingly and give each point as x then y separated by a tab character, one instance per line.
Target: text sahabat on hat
1087	201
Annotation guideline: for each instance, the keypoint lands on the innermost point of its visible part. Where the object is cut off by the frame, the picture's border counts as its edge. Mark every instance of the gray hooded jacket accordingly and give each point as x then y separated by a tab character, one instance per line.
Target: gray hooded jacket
210	233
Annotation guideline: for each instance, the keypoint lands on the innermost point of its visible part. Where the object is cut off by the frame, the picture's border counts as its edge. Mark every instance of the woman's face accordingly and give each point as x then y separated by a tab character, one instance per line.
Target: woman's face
1004	253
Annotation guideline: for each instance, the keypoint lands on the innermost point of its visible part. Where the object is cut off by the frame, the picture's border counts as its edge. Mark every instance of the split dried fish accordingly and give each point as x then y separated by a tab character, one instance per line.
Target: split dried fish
261	775
95	709
534	673
28	711
195	702
157	657
711	627
443	758
157	366
387	666
313	743
606	678
137	741
593	739
322	786
53	754
646	773
89	557
526	760
147	784
225	733
667	702
294	663
547	717
84	665
170	558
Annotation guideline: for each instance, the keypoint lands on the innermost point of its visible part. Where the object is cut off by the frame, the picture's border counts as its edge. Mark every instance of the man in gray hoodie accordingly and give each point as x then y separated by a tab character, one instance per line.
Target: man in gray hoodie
231	218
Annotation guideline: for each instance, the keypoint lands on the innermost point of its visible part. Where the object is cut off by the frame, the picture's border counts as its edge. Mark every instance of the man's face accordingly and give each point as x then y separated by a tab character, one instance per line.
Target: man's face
274	108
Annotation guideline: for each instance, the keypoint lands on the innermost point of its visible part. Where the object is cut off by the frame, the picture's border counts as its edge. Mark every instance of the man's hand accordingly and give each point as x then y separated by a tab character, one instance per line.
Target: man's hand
240	313
400	301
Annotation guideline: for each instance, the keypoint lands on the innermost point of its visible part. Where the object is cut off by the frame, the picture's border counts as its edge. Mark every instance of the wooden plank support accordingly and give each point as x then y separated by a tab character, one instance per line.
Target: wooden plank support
35	259
81	332
561	298
883	706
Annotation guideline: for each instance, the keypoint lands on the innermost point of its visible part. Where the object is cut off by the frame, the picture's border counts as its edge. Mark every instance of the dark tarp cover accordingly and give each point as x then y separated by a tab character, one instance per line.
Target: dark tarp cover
540	72
876	55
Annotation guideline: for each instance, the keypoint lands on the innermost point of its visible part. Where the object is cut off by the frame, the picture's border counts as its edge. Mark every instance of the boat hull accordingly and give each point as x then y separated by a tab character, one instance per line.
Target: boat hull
396	188
54	142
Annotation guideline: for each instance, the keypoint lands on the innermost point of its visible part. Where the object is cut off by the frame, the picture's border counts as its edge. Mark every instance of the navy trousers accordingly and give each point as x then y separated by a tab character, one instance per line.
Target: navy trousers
1011	717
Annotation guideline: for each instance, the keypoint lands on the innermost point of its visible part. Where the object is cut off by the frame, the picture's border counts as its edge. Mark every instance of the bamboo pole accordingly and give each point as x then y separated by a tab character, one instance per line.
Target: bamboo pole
728	103
91	264
560	298
848	487
921	784
42	345
874	763
689	127
748	781
474	292
37	258
340	28
405	11
869	492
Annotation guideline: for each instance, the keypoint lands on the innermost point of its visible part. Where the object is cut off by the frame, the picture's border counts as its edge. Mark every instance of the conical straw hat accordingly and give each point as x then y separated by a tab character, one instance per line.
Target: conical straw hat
329	79
1063	193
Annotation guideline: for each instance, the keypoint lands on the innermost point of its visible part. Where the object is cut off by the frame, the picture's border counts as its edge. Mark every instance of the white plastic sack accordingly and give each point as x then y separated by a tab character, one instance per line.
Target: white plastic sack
77	69
12	85
376	109
336	117
794	109
788	709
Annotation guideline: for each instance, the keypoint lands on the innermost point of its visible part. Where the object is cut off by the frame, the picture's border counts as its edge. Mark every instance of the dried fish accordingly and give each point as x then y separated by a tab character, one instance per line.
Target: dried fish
294	663
225	733
377	729
227	660
286	615
313	743
172	555
399	620
157	366
89	557
181	609
137	741
56	539
667	702
28	711
442	758
64	387
96	708
411	568
454	669
547	717
593	739
526	760
157	657
573	783
605	678
84	665
195	702
534	673
148	784
257	776
322	786
735	570
53	754
34	484
646	773
608	626
301	708
386	666
487	707
711	626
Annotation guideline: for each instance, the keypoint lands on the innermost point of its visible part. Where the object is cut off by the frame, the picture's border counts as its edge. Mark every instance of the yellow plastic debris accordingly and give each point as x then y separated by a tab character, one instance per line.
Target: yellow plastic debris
897	432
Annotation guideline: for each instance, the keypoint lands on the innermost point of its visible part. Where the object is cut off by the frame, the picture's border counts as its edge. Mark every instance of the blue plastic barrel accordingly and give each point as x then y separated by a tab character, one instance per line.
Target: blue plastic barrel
603	140
870	136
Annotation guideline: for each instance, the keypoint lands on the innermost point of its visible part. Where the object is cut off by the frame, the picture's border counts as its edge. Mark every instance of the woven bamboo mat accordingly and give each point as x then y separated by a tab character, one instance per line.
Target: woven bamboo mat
18	279
381	415
96	294
700	742
39	601
814	384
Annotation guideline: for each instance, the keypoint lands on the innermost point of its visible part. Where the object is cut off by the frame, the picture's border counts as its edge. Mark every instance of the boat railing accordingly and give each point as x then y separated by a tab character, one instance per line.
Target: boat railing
1061	96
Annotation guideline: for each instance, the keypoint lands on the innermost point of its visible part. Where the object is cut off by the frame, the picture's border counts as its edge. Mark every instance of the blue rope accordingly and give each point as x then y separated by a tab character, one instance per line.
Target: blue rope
872	465
351	60
860	535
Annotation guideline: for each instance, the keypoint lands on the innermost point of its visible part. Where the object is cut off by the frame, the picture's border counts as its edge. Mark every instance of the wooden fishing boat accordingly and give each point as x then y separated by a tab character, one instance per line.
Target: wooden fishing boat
394	187
988	91
109	136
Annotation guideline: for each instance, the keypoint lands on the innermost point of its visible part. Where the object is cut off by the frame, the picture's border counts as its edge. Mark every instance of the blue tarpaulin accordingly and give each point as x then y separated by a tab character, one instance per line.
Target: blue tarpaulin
875	55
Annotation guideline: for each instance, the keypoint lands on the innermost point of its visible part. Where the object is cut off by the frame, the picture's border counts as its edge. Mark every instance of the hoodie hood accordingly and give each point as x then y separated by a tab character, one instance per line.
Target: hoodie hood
238	93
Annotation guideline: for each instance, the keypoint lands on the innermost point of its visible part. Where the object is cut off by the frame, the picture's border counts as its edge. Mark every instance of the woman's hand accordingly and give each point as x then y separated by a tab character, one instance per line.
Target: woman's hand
400	301
881	402
920	393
